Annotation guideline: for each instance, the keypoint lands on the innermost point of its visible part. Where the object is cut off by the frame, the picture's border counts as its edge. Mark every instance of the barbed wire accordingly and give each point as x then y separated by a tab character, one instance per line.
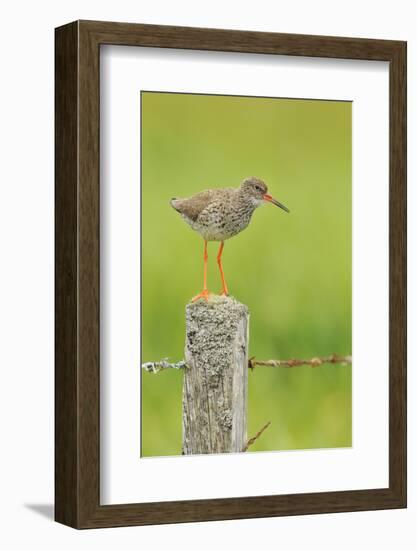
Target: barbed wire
334	359
252	440
156	366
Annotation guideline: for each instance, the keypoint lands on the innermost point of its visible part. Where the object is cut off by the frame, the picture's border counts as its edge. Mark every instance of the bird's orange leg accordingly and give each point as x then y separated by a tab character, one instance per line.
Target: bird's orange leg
225	292
204	293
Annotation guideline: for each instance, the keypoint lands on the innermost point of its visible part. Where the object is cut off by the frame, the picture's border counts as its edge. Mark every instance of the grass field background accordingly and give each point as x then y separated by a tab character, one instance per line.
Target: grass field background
293	270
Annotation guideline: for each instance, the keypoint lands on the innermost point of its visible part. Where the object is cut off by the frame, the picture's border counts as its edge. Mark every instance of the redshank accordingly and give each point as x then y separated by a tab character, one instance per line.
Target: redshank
219	214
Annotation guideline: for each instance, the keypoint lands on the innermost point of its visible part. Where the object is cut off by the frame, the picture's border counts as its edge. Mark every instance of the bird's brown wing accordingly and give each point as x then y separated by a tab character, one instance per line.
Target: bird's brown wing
193	206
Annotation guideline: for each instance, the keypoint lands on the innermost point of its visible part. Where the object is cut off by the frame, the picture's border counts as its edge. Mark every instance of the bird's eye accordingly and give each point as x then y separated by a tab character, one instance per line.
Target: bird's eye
258	188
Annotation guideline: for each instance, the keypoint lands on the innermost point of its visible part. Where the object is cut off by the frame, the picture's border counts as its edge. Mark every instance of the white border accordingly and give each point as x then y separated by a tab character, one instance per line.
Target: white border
126	478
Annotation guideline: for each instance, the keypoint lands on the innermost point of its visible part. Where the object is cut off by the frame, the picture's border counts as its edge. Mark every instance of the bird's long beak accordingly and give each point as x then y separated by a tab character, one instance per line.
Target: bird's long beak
268	198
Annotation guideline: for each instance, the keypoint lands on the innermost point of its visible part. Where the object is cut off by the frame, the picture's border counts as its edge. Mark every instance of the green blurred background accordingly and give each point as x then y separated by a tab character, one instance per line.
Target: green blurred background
293	271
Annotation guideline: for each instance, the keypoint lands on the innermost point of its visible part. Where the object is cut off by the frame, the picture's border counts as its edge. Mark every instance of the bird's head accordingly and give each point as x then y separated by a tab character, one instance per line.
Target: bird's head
256	191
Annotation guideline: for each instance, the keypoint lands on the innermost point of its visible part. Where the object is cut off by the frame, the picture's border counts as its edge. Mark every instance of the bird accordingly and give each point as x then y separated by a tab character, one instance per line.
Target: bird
219	214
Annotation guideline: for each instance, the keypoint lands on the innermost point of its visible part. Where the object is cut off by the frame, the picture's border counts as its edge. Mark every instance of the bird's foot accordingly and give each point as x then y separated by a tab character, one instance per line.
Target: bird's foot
224	293
203	294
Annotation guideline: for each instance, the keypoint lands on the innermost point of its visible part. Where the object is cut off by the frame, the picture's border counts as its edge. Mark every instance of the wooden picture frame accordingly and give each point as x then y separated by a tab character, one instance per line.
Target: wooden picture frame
77	374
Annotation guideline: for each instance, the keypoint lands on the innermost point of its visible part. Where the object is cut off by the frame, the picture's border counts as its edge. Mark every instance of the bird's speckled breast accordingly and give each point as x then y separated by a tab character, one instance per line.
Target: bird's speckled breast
220	221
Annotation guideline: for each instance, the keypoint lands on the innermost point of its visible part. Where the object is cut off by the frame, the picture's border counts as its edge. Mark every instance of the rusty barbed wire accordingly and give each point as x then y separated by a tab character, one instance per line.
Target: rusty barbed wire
252	440
334	359
314	362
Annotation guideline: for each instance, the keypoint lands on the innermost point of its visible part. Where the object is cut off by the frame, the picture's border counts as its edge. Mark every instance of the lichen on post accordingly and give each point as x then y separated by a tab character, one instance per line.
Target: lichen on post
216	380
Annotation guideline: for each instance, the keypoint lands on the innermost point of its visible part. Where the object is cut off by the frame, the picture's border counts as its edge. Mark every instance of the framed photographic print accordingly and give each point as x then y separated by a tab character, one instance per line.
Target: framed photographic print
214	359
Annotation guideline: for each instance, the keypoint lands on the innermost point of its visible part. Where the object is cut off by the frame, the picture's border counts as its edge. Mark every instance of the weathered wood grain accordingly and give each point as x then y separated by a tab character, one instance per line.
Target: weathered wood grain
216	377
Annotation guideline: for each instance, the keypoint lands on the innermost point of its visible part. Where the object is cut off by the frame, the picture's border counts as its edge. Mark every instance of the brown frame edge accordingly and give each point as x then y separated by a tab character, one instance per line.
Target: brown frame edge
77	376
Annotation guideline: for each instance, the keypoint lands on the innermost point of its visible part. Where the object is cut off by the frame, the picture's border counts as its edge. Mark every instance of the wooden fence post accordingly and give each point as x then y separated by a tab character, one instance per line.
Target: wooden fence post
216	378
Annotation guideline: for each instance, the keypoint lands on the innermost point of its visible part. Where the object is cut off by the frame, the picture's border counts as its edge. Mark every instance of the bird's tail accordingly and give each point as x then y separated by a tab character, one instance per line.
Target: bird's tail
174	203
